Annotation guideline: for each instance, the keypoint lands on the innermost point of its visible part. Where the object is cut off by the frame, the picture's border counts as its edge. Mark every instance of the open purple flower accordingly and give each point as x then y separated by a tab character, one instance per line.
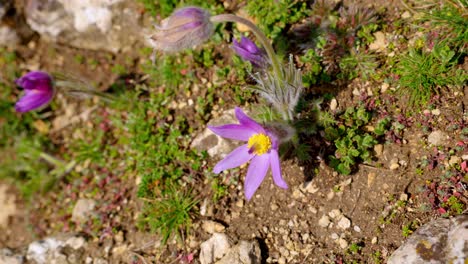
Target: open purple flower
261	149
38	91
183	29
248	51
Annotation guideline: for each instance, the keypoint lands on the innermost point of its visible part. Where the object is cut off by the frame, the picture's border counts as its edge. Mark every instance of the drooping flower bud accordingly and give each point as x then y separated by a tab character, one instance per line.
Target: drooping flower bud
248	51
185	28
38	91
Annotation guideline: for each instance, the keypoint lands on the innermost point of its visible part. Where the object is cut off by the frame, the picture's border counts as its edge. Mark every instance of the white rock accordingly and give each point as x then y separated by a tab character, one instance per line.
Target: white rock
39	251
344	223
437	138
88	24
324	221
83	209
357	229
465	157
374	240
214	248
243	253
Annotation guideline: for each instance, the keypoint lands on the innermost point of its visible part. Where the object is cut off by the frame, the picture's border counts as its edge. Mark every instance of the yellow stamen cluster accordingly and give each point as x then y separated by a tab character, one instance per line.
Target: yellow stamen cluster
259	144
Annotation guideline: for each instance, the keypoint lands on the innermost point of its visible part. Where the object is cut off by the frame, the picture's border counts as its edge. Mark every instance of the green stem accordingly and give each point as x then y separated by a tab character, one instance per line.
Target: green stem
258	33
50	159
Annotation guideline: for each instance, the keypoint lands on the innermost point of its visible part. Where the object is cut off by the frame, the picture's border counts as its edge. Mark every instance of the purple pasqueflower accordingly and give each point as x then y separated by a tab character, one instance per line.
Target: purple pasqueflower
38	91
248	51
183	29
261	149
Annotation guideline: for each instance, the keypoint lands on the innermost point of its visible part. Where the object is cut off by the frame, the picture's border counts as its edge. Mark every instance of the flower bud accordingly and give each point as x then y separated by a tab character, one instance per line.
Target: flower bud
248	51
38	91
185	28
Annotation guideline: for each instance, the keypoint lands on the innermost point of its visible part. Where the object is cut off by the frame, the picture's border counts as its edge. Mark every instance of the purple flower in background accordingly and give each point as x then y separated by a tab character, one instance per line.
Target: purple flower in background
38	91
247	50
261	149
183	29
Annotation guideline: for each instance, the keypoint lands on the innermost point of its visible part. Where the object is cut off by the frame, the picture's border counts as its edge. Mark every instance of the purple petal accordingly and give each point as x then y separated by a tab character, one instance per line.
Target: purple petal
189	12
247	121
255	174
236	158
249	51
276	169
33	99
35	80
249	45
233	131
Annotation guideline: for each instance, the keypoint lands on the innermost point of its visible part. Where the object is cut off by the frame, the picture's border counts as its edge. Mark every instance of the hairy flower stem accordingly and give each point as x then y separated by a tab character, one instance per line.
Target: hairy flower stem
258	33
77	89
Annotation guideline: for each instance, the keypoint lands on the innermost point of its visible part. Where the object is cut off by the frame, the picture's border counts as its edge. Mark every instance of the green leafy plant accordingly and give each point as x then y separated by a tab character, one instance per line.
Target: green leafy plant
358	64
273	16
351	142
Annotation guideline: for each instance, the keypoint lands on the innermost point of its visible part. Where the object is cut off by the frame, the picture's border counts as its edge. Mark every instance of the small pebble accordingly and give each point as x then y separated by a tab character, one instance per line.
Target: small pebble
334	236
344	223
454	160
394	166
333	104
357	229
324	221
374	240
282	260
384	87
335	213
274	207
435	112
240	203
343	243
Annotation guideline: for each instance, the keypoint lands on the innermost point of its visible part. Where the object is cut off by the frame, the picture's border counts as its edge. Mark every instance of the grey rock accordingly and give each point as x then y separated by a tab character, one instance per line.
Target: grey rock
216	146
8	36
243	253
42	251
57	250
83	209
214	248
8	257
92	24
439	241
437	138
